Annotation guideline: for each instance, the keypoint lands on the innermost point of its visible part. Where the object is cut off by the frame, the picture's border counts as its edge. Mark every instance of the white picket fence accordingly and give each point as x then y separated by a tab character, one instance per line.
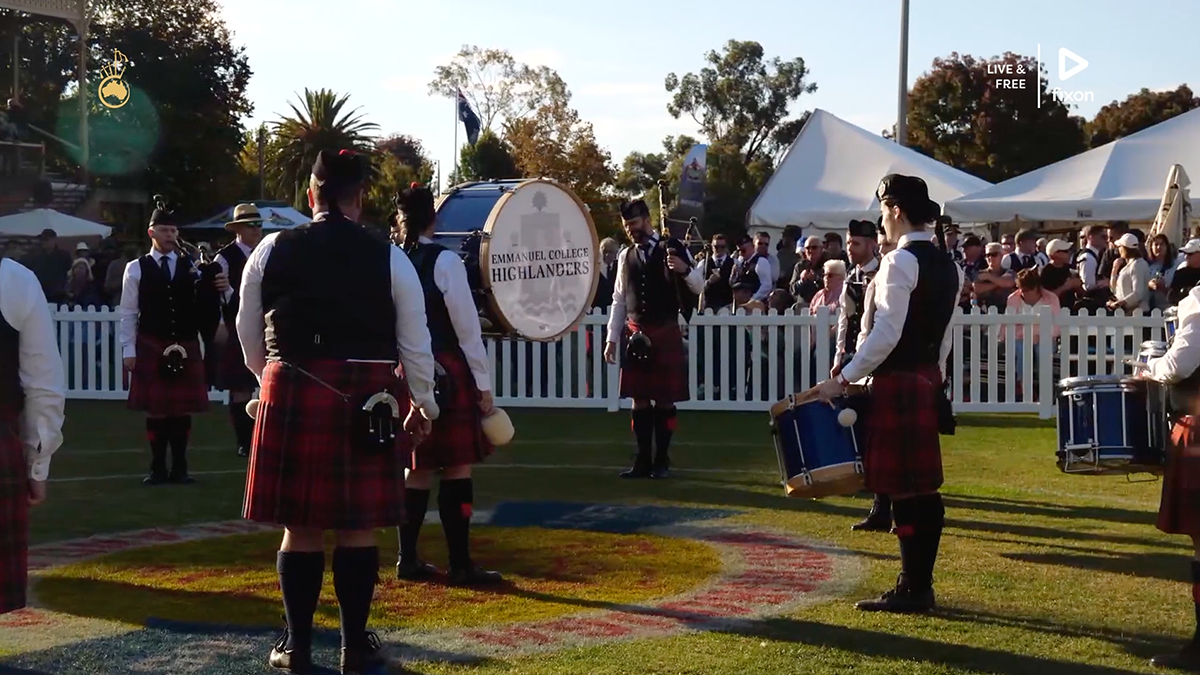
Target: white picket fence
736	362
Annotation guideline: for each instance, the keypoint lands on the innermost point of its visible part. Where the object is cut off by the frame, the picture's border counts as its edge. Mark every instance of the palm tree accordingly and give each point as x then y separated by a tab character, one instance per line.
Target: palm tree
321	123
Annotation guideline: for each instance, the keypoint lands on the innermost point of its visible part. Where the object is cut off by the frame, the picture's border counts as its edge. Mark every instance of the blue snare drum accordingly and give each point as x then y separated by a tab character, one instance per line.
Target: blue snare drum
1171	322
818	457
1111	425
531	252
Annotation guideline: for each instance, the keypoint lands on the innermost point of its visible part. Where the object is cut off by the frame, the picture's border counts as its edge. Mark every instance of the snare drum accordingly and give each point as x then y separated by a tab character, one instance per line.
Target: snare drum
1111	425
1151	349
1171	321
530	248
818	457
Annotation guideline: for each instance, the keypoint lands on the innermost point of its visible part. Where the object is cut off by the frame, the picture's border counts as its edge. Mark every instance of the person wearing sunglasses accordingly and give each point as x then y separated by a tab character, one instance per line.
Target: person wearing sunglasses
232	373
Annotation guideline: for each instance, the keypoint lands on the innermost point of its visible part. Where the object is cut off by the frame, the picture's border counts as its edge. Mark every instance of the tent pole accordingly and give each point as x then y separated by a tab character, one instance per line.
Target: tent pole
902	112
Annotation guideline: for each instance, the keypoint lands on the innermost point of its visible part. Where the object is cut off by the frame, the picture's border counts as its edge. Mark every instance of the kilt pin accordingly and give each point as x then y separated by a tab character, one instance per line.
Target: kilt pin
1179	510
664	377
157	395
903	452
14	516
457	438
304	469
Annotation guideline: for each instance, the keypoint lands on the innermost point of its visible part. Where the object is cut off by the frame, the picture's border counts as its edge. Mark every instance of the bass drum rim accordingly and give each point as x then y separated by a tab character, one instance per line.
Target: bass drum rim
484	257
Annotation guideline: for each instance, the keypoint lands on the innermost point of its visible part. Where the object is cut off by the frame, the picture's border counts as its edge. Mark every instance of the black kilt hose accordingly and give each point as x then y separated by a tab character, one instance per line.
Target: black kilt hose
14	518
903	453
157	395
304	470
1179	510
457	438
664	379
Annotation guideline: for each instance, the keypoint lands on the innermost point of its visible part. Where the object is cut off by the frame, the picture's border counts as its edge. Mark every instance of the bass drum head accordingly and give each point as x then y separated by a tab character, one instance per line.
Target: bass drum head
538	260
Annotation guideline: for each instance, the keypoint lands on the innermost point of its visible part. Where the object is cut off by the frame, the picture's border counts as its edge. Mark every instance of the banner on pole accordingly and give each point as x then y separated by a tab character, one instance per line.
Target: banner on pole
692	178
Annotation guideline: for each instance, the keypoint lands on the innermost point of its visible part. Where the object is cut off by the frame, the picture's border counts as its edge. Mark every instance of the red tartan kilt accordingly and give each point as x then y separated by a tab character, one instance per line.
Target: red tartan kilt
14	520
232	373
1179	510
156	395
304	470
457	438
903	452
665	378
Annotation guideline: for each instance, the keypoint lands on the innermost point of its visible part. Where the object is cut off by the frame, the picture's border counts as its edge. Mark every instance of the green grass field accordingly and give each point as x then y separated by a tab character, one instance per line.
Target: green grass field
1039	571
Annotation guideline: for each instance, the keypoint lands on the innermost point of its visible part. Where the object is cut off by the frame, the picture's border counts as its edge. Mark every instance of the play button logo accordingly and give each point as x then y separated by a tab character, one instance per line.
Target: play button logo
1081	64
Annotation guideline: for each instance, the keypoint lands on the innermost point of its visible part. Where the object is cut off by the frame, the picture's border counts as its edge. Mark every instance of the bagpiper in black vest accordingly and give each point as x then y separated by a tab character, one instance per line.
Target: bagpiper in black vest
747	272
931	307
236	259
327	294
651	297
854	303
167	307
720	293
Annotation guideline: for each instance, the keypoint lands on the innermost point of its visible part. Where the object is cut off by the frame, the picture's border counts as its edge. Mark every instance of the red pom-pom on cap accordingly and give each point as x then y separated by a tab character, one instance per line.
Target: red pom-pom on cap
346	152
414	185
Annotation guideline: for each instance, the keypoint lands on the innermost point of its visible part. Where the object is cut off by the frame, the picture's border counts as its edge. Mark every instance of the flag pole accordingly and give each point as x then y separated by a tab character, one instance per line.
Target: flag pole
454	176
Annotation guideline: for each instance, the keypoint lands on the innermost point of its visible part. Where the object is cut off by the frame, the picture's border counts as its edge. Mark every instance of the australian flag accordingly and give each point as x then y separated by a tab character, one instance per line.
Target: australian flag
469	119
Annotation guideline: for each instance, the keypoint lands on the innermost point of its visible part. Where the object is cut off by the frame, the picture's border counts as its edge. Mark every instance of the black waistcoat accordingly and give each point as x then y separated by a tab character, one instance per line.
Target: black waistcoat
327	294
650	296
855	304
441	329
719	294
167	308
236	259
748	272
931	307
12	394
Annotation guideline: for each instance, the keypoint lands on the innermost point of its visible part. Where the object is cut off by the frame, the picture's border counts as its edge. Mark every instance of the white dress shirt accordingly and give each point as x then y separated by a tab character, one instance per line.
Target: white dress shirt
412	333
617	313
843	324
894	284
246	251
23	305
450	276
766	281
1088	266
773	261
1183	357
128	309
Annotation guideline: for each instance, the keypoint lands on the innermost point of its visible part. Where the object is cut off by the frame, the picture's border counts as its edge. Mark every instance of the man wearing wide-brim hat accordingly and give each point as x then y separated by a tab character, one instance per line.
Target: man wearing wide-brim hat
232	373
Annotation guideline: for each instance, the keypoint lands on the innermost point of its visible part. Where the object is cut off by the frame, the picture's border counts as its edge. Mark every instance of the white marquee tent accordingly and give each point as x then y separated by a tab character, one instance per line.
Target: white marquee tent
829	177
1122	180
32	223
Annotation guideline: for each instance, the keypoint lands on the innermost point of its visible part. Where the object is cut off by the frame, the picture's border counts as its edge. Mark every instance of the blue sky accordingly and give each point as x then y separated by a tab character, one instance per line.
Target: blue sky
615	55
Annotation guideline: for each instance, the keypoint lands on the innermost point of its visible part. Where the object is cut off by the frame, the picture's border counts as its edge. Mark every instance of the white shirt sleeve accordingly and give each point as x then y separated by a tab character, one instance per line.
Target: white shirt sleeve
947	339
843	324
251	325
450	276
128	309
616	313
894	284
24	307
412	333
763	269
1087	271
225	269
1182	359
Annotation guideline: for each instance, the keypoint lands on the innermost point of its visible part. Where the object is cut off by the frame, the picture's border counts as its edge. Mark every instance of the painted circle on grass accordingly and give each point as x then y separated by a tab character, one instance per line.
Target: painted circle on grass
232	580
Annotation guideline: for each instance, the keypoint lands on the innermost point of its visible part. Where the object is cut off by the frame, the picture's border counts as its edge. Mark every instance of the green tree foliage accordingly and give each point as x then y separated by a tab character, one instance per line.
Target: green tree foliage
498	87
490	158
321	121
958	116
641	172
1139	111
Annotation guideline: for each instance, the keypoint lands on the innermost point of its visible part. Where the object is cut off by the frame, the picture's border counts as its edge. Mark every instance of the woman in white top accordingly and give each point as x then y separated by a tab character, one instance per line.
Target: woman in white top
1130	277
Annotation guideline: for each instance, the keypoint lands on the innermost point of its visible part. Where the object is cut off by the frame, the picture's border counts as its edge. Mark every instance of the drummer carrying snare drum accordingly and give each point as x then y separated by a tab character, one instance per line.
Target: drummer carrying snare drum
908	340
1179	509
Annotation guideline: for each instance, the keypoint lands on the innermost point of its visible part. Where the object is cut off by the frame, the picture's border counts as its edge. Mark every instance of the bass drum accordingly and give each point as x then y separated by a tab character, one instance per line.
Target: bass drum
530	248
